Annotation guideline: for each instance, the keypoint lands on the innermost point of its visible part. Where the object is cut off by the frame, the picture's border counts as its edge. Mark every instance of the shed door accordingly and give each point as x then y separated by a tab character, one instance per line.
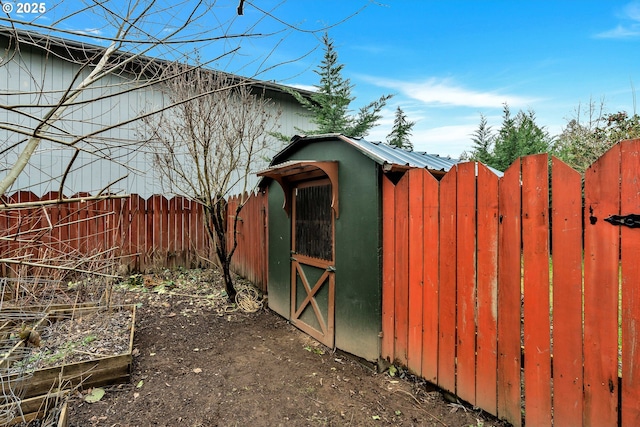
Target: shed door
312	261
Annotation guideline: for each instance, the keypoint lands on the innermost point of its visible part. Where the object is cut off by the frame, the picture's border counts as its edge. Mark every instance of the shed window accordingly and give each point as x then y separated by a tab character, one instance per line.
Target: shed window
314	222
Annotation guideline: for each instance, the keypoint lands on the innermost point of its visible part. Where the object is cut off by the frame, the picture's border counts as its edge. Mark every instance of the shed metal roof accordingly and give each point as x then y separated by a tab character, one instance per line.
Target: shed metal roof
390	157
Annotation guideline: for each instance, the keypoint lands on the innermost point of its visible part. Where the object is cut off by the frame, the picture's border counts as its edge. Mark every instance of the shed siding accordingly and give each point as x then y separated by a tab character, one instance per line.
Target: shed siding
357	244
279	254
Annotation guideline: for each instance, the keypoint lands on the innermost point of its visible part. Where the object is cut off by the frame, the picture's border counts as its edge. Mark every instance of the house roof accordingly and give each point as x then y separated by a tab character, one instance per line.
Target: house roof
78	51
391	158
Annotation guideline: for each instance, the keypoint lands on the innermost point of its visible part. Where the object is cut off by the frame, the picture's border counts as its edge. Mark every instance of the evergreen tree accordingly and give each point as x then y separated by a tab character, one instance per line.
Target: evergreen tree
482	139
401	131
329	105
518	136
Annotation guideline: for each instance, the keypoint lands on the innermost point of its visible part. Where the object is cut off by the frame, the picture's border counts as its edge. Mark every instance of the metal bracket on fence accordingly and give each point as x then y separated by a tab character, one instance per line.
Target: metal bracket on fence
631	220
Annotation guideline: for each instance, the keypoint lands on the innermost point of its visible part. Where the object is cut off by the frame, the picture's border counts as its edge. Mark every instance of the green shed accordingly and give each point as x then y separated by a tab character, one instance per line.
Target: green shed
325	235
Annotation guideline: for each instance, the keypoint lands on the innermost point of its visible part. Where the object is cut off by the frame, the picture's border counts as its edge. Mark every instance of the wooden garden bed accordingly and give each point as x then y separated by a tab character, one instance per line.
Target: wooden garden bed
52	408
83	364
80	347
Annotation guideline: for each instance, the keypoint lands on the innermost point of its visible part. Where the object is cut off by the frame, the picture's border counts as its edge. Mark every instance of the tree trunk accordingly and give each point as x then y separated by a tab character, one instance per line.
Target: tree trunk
217	230
228	280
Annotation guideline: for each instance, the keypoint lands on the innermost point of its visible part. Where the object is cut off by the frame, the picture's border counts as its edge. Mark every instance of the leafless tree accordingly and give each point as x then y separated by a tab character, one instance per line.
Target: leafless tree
61	123
113	60
48	112
209	145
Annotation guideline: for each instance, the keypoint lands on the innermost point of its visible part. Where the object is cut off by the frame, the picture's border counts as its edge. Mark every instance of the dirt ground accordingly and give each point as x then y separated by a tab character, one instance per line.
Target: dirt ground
197	363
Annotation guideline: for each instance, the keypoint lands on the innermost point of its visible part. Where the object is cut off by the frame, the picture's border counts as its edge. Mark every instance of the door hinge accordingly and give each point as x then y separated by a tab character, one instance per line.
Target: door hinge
631	220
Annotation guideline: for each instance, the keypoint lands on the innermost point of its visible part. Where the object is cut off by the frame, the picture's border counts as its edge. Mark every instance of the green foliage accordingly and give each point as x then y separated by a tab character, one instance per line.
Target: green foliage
583	141
482	139
329	105
518	136
89	339
401	131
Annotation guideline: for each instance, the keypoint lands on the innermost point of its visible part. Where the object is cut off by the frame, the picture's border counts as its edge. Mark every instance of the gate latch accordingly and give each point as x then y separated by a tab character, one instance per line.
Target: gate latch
631	220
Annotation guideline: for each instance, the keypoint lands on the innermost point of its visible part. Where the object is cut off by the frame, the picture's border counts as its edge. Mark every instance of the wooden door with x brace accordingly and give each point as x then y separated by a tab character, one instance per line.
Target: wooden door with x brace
312	260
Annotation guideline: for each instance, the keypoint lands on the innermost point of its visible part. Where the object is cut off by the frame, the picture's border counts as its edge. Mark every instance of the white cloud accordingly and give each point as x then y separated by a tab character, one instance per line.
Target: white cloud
620	32
309	88
444	140
632	11
91	31
626	30
445	92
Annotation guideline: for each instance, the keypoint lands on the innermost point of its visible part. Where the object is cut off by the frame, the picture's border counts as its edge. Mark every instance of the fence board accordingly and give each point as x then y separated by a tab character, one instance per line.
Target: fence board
535	242
12	221
509	244
103	226
602	199
63	230
416	254
430	279
447	291
232	204
161	227
401	271
53	214
201	234
138	233
82	215
192	224
115	208
73	217
487	285
388	268
630	189
466	282
174	232
90	227
567	294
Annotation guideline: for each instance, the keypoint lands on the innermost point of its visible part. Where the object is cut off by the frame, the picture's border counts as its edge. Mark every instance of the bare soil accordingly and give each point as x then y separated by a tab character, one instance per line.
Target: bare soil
200	363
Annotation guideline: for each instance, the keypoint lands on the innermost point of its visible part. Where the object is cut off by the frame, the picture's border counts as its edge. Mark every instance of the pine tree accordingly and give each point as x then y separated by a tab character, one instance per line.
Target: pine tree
518	136
401	131
482	142
329	105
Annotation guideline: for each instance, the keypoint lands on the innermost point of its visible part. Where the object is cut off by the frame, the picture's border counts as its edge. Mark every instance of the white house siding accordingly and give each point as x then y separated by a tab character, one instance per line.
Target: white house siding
34	80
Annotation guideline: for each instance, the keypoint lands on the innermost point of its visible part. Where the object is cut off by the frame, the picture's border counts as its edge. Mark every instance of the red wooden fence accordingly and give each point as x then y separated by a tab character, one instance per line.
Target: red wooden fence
471	301
144	234
250	257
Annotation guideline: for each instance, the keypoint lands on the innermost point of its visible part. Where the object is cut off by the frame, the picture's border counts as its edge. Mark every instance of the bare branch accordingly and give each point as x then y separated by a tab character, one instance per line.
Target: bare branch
209	146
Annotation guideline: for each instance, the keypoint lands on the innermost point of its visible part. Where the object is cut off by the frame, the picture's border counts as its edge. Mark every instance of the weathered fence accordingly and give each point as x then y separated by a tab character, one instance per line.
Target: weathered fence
250	257
143	234
475	300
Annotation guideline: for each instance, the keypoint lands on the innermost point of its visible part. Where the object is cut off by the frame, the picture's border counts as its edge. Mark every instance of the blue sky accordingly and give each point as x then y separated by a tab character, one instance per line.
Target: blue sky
445	62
